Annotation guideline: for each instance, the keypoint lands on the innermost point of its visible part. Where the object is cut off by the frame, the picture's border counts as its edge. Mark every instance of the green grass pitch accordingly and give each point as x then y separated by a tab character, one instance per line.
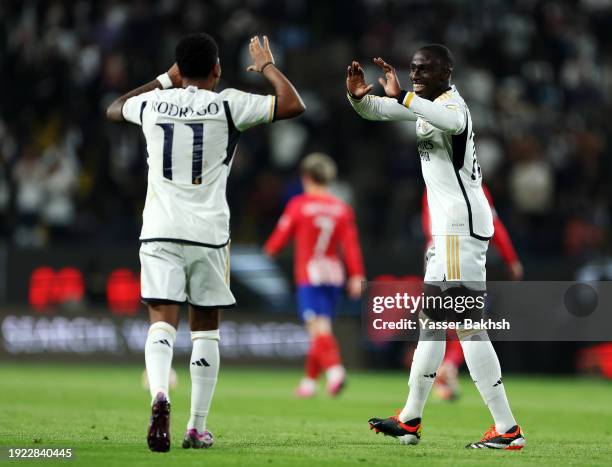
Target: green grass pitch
102	412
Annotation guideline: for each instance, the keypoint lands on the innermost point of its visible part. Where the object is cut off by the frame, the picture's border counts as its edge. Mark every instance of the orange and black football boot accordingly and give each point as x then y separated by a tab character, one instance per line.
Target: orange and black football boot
408	432
511	440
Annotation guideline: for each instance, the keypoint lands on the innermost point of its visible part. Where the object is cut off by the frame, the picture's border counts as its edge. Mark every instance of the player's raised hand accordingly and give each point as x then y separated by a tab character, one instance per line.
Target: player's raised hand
355	81
261	56
390	82
175	76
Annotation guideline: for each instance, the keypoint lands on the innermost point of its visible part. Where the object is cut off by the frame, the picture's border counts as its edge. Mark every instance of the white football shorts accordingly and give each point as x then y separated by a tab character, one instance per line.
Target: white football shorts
456	259
179	272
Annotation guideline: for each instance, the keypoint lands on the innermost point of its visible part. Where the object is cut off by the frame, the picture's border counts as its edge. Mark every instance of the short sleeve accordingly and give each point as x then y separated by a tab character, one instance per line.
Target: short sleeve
134	107
249	110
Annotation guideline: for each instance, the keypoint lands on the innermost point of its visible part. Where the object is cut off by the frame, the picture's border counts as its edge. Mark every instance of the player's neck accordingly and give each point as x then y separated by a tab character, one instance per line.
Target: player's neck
441	91
208	83
317	190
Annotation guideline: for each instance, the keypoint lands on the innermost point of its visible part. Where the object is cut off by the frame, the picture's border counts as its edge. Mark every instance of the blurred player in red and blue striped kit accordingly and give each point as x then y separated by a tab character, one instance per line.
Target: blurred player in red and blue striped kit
325	238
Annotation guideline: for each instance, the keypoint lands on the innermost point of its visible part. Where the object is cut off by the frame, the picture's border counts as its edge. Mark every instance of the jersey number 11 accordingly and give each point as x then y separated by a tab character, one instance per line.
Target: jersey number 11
198	142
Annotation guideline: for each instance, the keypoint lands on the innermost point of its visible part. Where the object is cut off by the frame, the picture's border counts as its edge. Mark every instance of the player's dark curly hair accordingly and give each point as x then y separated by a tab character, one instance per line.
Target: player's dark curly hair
196	55
442	53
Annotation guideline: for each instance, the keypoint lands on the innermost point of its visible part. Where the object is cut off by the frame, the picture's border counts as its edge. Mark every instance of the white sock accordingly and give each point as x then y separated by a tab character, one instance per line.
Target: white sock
484	369
308	384
158	356
334	373
204	368
426	361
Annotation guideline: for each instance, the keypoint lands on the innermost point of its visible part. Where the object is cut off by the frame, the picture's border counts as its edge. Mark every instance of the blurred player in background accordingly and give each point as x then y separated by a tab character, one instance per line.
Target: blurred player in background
462	224
191	133
446	386
323	227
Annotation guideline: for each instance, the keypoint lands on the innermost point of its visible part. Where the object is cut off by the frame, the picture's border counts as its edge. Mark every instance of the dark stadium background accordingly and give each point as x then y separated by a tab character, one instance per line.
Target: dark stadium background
537	76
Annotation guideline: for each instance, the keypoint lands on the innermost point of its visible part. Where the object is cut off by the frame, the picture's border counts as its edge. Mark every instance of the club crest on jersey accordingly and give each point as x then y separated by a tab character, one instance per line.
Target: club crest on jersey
423	126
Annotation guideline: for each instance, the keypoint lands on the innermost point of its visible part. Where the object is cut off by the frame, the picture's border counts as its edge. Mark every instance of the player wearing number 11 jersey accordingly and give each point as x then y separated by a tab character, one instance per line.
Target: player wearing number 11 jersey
191	133
324	231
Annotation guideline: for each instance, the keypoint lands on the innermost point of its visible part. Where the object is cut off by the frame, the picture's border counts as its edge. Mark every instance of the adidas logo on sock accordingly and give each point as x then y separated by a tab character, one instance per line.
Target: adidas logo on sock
499	381
201	362
163	341
433	375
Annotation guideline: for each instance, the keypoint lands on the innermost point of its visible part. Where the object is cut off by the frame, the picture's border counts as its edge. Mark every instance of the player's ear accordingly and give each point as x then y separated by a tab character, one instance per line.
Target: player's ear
217	70
446	72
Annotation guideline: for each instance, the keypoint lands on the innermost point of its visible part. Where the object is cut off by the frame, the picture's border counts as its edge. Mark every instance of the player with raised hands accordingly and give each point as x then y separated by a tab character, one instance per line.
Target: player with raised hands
461	226
191	133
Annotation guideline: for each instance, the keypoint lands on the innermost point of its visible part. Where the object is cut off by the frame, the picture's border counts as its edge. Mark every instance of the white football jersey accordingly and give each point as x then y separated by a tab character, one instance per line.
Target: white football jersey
191	137
445	142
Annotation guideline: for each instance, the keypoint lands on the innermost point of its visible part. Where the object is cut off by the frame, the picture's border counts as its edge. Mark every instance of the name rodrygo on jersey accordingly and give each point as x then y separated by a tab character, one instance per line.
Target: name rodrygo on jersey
191	136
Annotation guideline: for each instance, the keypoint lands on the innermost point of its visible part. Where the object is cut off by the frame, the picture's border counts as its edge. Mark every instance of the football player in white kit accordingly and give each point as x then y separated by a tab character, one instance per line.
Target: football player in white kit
191	133
461	227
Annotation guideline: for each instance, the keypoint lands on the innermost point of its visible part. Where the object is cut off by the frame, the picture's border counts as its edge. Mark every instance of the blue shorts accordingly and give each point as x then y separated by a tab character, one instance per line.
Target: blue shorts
317	300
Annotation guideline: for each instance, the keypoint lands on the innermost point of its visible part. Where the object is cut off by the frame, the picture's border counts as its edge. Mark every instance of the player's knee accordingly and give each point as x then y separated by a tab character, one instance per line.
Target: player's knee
427	332
472	335
323	325
203	319
164	312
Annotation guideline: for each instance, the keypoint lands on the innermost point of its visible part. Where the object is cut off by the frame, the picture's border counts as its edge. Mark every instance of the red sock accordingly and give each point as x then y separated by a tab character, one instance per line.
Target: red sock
454	353
313	367
328	351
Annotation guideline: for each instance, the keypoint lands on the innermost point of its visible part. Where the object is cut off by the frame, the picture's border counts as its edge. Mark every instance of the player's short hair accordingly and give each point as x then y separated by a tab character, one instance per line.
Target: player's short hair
196	55
442	53
319	167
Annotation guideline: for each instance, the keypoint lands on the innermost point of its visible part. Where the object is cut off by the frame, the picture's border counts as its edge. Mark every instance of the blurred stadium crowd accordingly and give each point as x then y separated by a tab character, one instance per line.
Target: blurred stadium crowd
536	74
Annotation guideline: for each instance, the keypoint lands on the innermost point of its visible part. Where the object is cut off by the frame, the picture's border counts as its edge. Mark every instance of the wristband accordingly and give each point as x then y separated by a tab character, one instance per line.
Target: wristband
164	80
401	96
265	65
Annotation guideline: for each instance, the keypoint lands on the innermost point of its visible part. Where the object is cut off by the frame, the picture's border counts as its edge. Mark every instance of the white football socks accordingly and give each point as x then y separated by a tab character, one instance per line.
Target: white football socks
335	373
426	361
158	356
485	370
204	368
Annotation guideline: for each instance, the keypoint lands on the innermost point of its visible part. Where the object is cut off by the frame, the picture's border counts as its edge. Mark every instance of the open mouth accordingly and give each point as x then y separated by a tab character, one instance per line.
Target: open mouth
418	87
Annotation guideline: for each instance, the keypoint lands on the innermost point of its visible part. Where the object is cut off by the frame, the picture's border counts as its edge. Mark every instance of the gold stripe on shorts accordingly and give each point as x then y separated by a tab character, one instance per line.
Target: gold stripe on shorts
457	256
449	272
451	253
453	267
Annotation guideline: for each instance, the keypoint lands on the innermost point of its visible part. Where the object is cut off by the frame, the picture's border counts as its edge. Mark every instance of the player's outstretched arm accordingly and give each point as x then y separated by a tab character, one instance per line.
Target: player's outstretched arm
353	258
289	104
372	107
284	230
170	79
